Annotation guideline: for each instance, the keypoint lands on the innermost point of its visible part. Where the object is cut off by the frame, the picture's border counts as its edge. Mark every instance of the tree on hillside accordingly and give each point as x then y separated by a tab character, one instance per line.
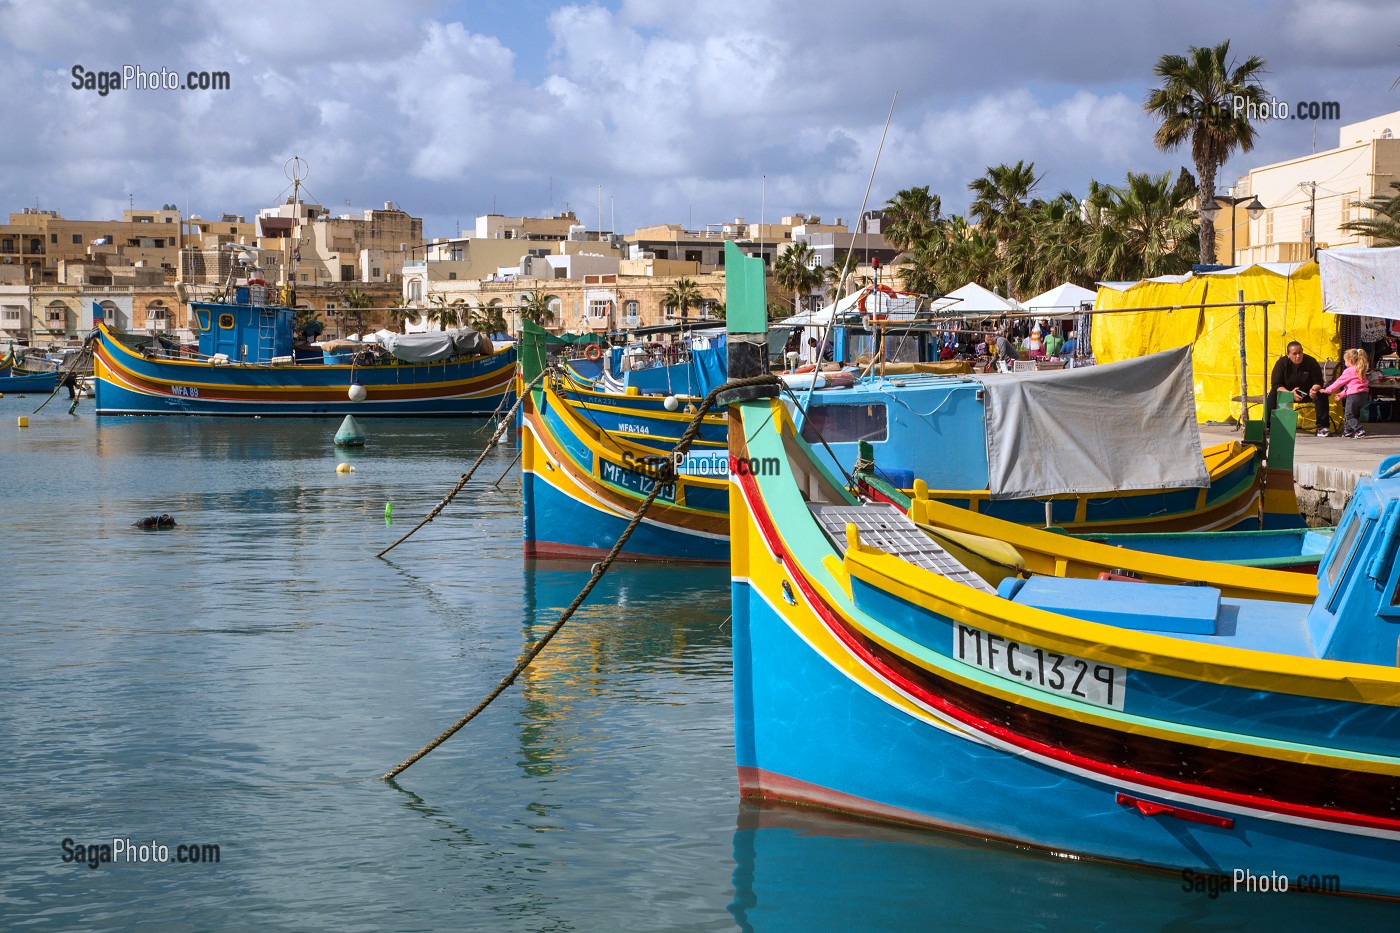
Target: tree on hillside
1197	104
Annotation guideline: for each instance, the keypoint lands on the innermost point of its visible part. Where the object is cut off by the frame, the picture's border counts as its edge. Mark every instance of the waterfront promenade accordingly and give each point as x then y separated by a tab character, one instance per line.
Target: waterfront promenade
1326	469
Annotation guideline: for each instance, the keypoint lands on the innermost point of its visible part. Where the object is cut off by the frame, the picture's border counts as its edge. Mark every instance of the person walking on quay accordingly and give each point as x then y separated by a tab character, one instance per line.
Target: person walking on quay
1356	391
792	349
1300	374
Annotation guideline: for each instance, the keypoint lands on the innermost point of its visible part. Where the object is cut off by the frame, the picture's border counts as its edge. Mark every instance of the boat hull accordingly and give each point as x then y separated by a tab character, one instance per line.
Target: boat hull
1211	755
131	384
18	381
578	495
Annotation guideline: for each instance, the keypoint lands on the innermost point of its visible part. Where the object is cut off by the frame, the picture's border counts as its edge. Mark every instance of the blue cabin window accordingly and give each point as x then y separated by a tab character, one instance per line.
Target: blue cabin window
226	321
1344	555
845	424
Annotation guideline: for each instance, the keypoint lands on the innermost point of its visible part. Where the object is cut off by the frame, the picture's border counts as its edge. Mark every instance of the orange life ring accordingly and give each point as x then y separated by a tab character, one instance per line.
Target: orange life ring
594	352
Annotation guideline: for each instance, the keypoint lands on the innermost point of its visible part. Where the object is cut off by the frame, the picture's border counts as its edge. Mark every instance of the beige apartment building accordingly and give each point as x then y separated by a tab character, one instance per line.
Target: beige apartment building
1307	200
38	240
325	248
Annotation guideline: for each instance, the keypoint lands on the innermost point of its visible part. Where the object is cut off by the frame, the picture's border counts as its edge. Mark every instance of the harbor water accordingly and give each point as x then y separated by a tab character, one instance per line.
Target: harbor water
240	680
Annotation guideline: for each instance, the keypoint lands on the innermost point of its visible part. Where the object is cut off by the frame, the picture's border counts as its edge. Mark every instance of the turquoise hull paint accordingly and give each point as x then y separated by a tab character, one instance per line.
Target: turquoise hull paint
799	719
1277	716
557	525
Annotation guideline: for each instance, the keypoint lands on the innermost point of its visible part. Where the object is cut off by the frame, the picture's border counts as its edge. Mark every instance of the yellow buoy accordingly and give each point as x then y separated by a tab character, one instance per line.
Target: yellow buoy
345	468
24	421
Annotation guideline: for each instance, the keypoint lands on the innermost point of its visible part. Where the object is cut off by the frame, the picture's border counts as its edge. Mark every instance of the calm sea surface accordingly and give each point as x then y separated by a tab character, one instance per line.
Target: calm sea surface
240	681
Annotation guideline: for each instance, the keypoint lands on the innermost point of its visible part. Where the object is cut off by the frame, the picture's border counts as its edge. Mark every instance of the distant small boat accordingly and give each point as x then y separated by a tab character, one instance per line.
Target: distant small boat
15	379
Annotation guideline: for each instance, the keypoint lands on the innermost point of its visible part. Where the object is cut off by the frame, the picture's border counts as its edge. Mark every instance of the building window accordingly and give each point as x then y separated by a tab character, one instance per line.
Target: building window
451	276
12	314
661	254
53	237
374	272
305	277
599	308
1268	226
77	239
1346	210
692	255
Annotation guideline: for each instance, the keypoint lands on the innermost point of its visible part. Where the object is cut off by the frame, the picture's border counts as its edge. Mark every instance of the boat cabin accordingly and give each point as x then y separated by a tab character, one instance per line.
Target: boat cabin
248	330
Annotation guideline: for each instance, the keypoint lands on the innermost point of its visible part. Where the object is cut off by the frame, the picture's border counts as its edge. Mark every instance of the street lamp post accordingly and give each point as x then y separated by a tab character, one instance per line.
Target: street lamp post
1253	208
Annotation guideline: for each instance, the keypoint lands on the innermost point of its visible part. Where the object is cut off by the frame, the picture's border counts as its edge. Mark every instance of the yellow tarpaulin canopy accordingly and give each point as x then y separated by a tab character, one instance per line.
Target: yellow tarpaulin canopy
1296	314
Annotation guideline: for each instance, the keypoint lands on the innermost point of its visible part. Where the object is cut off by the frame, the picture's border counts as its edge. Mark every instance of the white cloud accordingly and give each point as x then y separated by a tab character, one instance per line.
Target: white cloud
677	109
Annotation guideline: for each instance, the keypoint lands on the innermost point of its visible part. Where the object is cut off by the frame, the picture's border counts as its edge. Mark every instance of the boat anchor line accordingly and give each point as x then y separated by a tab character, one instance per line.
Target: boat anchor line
600	568
466	477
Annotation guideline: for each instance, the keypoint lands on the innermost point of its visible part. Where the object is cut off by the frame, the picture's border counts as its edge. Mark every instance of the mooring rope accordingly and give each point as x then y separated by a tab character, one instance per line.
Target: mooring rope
600	568
490	445
73	371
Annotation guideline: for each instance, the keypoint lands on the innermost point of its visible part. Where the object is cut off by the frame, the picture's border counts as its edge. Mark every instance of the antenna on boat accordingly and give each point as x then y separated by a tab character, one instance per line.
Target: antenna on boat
295	169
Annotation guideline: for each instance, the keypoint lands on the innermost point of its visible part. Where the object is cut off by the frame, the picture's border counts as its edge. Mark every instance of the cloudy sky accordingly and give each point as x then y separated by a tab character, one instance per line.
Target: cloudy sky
689	111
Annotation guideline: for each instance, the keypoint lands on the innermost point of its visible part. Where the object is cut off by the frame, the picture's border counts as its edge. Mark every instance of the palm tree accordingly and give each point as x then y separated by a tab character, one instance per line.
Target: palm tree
357	301
401	313
911	216
831	277
681	296
535	309
1154	216
1200	101
1001	196
442	314
793	272
1383	227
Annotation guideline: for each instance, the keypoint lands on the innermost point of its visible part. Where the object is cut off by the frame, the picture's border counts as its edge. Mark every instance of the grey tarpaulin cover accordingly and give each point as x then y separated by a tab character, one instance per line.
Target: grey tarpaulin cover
434	345
1128	425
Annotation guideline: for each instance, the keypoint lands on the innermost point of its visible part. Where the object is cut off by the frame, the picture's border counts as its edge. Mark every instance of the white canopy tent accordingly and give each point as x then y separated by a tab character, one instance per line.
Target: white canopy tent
972	300
1061	302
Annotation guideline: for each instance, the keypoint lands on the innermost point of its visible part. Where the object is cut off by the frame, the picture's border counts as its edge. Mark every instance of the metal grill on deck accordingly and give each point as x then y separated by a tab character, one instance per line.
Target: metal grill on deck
884	526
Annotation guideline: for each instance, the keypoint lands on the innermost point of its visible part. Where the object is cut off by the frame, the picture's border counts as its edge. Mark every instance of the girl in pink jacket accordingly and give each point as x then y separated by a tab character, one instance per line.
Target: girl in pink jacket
1356	391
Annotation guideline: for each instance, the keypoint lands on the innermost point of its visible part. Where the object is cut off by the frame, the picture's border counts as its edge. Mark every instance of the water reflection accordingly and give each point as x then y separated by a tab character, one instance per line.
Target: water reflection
927	879
647	634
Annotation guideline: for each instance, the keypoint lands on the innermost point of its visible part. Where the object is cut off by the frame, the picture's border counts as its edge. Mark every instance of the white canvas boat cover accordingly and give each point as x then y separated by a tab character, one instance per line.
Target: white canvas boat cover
435	345
1361	281
1118	426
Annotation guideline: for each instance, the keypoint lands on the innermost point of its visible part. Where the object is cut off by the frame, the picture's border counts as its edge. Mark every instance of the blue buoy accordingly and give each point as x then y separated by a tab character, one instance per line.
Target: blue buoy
350	433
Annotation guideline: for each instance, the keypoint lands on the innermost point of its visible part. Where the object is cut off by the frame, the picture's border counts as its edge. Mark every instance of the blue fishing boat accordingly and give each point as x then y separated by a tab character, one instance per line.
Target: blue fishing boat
17	380
650	418
1189	728
246	365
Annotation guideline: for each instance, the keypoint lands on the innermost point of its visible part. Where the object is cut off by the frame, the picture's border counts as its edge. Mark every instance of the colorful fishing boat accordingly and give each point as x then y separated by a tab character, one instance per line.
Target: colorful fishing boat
581	486
1171	726
1295	549
1101	449
246	365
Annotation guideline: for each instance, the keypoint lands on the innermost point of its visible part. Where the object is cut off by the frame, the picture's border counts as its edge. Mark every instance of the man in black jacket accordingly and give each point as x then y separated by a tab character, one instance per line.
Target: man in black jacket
1299	373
